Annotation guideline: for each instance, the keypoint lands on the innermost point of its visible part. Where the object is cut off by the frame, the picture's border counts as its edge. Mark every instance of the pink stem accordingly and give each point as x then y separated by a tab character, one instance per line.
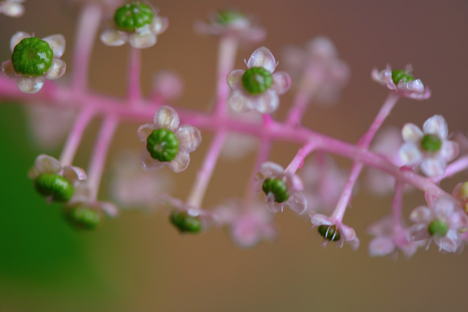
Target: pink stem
364	143
85	36
134	87
74	138
457	166
226	59
101	148
298	160
206	172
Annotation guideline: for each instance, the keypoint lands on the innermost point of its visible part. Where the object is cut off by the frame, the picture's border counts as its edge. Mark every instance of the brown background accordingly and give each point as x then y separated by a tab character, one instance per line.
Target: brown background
149	267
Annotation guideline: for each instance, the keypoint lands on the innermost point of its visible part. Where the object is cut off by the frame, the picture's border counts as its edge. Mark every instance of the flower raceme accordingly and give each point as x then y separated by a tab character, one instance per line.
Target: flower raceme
252	95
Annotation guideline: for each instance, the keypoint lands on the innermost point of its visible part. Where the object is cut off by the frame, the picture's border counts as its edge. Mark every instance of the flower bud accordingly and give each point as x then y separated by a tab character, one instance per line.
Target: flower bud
256	80
83	217
54	186
32	57
276	187
132	16
163	145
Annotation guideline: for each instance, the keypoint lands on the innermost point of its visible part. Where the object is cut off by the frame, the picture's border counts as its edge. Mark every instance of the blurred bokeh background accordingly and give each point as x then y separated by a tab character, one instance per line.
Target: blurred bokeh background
140	263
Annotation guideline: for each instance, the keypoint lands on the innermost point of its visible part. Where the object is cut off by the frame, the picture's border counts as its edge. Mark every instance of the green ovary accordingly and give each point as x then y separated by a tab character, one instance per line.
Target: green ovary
401	75
226	17
431	143
32	57
163	145
83	217
329	232
256	80
54	186
185	223
132	16
438	228
276	187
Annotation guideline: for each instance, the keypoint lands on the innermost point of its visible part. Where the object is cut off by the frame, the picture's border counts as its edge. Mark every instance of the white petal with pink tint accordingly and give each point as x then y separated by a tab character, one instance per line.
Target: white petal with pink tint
17	37
298	203
57	69
270	169
57	43
449	150
235	78
142	41
74	174
30	85
114	38
12	8
181	162
421	215
436	125
410	154
190	138
262	57
266	103
8	69
47	164
411	133
320	219
144	131
159	25
381	246
281	82
167	118
433	167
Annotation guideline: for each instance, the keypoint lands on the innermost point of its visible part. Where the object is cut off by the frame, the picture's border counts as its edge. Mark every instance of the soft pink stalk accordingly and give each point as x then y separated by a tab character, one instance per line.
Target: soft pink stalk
85	36
457	166
134	87
226	58
298	160
74	137
98	158
364	143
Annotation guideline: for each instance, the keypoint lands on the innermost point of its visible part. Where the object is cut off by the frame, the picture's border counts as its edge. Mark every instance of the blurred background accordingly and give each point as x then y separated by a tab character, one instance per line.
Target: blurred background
140	263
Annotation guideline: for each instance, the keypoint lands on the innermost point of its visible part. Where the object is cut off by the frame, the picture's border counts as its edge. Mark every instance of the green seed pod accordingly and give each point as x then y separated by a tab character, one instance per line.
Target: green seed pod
227	17
276	187
132	16
401	75
438	227
163	145
54	186
32	57
329	232
185	223
82	217
431	143
257	80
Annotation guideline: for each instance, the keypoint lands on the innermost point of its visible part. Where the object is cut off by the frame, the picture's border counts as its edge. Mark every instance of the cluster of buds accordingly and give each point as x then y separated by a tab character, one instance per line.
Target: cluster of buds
312	185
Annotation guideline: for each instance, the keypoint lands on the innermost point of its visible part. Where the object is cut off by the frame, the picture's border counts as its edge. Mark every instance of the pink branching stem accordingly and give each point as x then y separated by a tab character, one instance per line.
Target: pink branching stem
85	36
397	206
364	143
262	155
105	105
101	148
74	138
226	58
457	166
134	87
298	160
206	171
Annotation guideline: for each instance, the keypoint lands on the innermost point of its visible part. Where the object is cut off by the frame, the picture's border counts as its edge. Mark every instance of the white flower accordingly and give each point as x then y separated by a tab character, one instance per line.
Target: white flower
334	231
282	189
443	223
402	82
168	143
257	88
140	38
13	8
231	23
428	148
29	83
322	72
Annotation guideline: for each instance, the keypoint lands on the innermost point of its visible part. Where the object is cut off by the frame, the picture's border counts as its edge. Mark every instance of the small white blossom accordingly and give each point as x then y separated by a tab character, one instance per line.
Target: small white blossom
13	8
334	231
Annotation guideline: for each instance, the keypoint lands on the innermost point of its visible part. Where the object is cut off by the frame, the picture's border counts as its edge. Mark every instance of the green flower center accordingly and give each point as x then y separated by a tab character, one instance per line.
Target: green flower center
257	80
401	75
83	217
54	186
185	223
438	227
163	144
329	232
431	143
276	187
132	16
32	57
227	17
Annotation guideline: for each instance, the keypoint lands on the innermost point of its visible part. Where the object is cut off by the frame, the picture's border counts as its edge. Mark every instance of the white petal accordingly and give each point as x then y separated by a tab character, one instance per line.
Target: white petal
433	167
298	203
381	246
142	41
180	163
74	174
57	43
144	131
319	219
449	150
436	125
30	85
57	69
8	69
167	118
411	133
270	169
447	244
149	163
445	207
234	78
17	38
239	102
190	138
262	57
266	103
421	214
159	24
410	154
13	9
281	82
47	164
113	38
